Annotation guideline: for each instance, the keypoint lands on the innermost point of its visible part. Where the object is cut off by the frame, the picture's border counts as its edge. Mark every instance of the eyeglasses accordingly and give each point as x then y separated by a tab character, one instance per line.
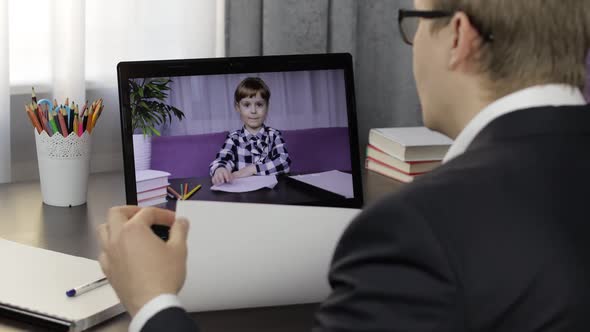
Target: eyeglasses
409	20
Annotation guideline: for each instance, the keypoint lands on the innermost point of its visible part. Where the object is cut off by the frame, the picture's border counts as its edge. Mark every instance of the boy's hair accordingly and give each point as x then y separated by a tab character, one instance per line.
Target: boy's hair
250	87
535	42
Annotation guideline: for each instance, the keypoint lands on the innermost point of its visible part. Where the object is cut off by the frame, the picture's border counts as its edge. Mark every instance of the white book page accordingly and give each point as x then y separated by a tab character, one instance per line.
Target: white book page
251	183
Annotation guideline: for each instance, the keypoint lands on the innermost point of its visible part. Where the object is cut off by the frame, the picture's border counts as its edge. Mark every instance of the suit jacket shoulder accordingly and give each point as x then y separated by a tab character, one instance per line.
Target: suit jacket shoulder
389	272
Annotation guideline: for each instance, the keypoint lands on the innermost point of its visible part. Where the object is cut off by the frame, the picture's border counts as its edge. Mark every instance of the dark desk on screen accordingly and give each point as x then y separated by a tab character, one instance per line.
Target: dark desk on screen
287	191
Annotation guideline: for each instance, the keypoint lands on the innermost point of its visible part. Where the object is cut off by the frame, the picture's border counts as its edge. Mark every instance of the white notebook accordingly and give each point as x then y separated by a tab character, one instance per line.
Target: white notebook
35	281
257	255
150	179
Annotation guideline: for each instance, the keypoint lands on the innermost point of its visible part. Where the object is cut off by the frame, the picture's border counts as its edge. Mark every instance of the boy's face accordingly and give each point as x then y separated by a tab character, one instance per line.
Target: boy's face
253	111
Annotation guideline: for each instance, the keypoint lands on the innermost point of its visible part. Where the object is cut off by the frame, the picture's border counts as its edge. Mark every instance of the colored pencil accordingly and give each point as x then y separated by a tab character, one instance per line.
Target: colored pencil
97	116
176	194
33	96
39	113
95	113
62	122
56	119
34	121
80	126
84	109
47	127
85	122
52	123
90	114
76	125
187	196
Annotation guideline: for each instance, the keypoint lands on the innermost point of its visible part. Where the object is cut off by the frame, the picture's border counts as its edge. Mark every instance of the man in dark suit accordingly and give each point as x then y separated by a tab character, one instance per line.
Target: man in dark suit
496	239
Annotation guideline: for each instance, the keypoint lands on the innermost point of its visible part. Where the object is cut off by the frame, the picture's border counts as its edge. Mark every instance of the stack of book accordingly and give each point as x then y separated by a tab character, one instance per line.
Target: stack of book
151	187
404	153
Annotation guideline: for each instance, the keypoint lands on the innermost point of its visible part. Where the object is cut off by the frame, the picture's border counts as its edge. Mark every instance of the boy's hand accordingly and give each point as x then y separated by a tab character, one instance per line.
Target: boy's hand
221	175
245	172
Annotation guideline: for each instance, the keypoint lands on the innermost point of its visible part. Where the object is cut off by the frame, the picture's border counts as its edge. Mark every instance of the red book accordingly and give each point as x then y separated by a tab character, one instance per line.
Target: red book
408	167
391	172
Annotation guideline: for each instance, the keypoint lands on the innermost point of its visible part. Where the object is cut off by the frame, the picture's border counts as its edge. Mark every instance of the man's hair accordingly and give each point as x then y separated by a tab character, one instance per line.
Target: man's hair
250	87
534	41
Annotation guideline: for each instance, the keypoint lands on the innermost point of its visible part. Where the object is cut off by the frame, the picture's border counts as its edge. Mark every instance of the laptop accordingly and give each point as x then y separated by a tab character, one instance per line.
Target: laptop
264	130
260	154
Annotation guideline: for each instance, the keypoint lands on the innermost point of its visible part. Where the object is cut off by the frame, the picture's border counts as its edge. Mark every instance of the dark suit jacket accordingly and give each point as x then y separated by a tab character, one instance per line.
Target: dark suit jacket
497	239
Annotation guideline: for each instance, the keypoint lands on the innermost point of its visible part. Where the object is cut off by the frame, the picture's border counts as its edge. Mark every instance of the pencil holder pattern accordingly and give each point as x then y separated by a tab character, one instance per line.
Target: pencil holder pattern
64	165
58	147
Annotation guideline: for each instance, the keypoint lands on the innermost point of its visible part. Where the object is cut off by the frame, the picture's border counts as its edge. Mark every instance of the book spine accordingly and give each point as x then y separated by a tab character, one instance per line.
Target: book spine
394	168
417	162
368	166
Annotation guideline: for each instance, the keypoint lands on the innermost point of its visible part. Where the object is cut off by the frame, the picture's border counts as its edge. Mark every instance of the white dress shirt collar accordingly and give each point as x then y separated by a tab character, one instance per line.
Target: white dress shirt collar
537	96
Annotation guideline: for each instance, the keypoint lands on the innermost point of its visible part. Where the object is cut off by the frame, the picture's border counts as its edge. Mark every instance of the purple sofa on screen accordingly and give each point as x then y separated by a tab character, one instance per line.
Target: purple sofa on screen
311	151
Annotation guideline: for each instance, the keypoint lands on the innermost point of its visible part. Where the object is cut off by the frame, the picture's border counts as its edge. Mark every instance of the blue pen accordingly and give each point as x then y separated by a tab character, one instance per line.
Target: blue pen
86	287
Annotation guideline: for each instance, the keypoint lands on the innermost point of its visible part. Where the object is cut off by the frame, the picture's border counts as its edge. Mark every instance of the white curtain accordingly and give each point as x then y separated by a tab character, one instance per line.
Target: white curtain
4	96
299	100
65	47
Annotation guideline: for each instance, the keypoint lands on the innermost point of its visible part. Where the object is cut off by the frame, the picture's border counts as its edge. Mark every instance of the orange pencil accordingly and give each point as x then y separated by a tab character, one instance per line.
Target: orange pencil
34	121
62	124
185	189
41	119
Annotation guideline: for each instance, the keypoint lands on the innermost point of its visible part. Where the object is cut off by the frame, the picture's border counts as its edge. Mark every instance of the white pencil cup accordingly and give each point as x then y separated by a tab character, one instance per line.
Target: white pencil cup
64	165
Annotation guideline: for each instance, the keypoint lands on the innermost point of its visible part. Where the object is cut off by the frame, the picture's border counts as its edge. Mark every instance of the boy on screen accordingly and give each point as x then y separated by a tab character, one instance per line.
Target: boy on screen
255	149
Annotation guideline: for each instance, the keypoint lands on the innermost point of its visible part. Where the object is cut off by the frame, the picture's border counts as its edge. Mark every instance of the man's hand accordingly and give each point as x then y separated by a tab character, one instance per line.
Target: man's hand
138	264
221	175
245	172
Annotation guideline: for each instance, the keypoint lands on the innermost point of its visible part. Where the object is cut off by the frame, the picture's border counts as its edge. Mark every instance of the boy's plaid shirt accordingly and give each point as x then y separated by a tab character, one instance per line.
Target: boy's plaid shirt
267	150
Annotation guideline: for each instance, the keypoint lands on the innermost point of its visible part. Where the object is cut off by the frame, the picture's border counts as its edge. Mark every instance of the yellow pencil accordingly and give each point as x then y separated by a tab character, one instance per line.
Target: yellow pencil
187	196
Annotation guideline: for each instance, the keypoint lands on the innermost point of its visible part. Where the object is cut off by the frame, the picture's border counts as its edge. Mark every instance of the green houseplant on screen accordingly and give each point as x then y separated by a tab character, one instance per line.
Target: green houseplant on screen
149	110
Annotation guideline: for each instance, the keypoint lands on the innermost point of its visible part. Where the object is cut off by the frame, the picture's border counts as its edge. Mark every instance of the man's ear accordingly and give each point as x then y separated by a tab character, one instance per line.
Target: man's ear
237	107
466	43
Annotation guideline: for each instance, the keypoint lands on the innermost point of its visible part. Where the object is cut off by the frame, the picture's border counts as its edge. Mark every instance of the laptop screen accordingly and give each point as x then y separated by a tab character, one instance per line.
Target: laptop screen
275	137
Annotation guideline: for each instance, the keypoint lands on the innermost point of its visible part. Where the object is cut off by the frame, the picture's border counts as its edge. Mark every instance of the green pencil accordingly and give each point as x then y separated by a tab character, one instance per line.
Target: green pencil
52	123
